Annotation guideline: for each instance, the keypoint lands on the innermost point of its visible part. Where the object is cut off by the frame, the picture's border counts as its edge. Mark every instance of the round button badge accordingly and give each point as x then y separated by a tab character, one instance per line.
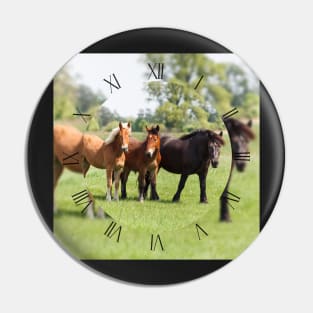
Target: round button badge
155	156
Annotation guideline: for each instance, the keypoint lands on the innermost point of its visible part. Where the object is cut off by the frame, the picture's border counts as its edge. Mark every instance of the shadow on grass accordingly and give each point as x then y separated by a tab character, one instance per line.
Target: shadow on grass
63	212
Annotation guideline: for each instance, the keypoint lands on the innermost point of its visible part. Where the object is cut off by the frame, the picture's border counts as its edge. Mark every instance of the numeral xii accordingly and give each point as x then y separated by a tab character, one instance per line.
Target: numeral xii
156	70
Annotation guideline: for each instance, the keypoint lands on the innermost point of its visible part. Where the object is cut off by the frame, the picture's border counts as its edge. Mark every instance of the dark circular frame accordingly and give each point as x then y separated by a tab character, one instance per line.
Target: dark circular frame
40	152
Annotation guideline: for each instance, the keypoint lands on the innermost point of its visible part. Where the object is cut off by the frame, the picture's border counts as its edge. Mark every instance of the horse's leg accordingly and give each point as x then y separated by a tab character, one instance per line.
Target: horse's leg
202	181
141	183
109	183
124	178
181	186
85	166
58	169
147	183
154	195
117	176
224	209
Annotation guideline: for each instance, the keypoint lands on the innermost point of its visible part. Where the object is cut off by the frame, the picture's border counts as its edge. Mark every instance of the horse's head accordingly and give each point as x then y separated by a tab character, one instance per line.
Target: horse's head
215	143
124	132
152	141
240	136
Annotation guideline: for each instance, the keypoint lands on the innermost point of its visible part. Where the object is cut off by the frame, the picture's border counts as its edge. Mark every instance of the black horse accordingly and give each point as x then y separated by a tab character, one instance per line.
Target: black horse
240	136
190	154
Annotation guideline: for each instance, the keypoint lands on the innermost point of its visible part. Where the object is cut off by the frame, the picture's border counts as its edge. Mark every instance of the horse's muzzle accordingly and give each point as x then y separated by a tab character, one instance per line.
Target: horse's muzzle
214	164
240	166
149	153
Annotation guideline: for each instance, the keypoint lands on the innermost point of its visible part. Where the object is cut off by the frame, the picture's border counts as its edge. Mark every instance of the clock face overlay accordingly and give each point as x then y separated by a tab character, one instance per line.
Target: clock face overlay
153	158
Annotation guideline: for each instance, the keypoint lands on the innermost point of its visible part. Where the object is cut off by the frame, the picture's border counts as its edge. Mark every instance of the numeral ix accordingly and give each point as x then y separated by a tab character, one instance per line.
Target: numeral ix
70	159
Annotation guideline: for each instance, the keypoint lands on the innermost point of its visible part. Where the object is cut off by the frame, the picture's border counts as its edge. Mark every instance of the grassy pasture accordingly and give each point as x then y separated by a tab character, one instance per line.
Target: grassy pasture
174	222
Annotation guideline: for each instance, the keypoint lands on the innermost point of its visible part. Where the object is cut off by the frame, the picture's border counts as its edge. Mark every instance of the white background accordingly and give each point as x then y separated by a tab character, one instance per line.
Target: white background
275	38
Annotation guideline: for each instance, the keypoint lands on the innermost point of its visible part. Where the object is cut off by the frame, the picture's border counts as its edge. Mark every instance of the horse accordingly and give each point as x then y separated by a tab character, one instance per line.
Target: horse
190	154
143	157
240	136
77	151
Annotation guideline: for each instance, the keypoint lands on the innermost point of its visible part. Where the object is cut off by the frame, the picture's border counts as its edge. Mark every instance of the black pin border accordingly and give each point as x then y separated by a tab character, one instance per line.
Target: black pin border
40	162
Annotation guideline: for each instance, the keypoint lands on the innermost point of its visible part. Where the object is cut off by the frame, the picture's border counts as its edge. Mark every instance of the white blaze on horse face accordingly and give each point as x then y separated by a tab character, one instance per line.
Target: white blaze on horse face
125	147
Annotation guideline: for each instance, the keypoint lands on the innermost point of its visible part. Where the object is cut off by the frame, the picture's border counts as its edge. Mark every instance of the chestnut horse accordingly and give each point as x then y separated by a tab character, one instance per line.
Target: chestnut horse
240	136
190	154
143	157
77	151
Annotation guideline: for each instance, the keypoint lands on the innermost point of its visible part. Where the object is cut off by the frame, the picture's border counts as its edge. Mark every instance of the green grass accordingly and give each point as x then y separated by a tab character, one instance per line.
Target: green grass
174	222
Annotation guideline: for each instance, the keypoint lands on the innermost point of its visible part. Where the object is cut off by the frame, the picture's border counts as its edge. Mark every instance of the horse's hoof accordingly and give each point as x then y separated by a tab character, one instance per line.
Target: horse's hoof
100	213
204	201
175	199
225	219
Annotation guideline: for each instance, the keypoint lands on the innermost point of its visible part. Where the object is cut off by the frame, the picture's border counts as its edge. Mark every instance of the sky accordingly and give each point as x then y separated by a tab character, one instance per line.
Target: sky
92	69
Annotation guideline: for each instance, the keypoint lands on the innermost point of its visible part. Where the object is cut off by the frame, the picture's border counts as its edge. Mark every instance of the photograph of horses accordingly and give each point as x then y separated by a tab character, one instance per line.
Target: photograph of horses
156	156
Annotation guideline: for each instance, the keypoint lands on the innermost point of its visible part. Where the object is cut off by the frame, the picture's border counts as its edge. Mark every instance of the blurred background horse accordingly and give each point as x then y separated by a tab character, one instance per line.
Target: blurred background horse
240	136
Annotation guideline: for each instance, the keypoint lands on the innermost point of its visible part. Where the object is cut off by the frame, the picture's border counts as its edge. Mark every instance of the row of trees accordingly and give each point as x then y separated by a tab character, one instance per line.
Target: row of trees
179	105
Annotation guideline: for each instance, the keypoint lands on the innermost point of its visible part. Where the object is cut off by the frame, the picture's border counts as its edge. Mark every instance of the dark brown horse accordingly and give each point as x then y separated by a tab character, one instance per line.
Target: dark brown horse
191	154
143	157
240	136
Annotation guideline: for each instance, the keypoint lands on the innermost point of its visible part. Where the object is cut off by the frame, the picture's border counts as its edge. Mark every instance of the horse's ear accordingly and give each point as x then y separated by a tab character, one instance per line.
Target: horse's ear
157	128
128	124
147	129
249	123
221	133
120	125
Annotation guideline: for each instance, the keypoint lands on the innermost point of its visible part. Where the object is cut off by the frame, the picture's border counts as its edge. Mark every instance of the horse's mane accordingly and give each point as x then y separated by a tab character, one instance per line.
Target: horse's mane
114	133
215	137
194	133
239	128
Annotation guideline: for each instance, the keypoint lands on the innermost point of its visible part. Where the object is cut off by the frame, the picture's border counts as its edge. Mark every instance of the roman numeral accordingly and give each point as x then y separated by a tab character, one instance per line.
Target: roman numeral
69	159
159	67
241	156
199	228
228	196
81	115
198	83
155	241
79	197
111	231
229	114
115	85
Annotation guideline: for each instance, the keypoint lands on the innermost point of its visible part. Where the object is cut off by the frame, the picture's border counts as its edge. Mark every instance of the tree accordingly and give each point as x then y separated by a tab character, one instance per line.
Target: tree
65	95
220	87
69	97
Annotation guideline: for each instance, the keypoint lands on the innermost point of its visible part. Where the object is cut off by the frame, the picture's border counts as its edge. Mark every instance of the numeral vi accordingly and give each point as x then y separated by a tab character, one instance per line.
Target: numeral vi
154	242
